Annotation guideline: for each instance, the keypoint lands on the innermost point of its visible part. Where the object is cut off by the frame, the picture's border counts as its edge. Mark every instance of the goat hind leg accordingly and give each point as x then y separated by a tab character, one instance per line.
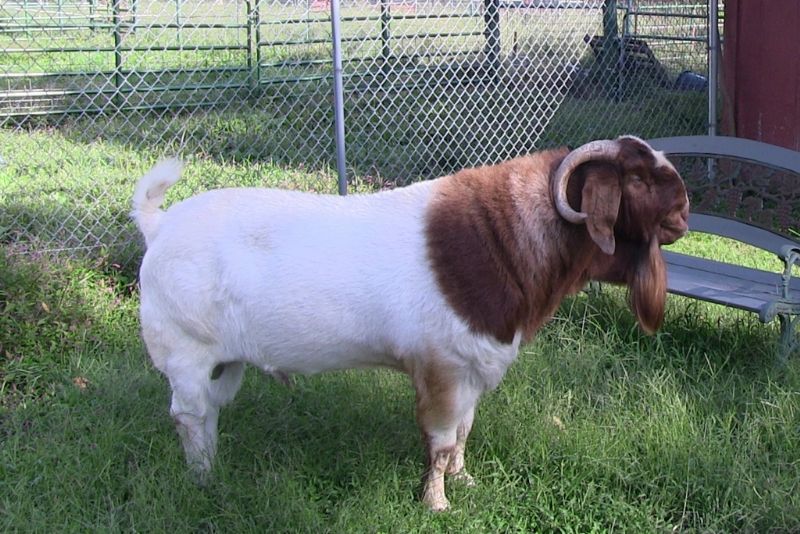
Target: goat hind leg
195	416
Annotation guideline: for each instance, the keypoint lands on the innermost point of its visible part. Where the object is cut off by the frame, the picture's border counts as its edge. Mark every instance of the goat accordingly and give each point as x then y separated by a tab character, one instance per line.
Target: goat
441	279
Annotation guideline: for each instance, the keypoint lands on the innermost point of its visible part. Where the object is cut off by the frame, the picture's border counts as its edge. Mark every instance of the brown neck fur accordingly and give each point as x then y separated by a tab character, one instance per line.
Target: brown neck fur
502	256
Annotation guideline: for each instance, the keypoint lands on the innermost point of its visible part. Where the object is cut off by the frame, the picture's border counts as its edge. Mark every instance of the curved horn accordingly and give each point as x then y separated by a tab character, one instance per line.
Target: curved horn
603	150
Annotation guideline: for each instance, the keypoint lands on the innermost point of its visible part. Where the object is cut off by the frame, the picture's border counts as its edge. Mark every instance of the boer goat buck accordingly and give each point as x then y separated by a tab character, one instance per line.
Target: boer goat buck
441	279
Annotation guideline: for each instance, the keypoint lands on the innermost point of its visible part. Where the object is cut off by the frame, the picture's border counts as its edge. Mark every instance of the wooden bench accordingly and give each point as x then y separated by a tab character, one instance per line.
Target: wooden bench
750	192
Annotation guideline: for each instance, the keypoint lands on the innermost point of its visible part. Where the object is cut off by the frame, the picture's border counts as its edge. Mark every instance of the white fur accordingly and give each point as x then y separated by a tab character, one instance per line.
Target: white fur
294	283
149	195
303	283
661	158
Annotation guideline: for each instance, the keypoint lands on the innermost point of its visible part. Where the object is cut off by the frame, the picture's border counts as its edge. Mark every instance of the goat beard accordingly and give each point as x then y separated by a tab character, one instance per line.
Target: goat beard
648	287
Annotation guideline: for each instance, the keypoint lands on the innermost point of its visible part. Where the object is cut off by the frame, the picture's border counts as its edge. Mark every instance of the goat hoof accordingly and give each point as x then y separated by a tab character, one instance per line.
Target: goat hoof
200	479
437	504
200	475
462	477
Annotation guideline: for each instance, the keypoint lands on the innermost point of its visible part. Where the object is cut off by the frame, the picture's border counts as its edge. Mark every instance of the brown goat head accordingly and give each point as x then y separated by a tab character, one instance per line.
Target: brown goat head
632	201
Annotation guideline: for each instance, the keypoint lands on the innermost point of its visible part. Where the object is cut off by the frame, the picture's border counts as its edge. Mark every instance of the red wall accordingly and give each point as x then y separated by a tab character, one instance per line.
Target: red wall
761	71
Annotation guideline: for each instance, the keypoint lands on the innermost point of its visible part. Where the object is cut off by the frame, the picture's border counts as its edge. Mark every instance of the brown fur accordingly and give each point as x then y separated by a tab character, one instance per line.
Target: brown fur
433	492
435	385
505	260
497	274
648	288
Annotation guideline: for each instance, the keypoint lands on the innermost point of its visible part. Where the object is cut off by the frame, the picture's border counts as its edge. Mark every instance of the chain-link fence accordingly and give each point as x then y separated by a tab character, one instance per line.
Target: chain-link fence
94	91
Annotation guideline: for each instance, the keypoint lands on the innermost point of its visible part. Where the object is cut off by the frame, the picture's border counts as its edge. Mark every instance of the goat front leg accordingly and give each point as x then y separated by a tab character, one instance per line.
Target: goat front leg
444	401
457	466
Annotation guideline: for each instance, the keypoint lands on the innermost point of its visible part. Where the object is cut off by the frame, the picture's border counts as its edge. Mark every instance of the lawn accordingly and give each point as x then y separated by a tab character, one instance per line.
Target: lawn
595	428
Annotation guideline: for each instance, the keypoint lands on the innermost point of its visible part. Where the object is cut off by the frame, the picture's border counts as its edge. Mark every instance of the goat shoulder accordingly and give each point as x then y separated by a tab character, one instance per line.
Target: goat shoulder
502	255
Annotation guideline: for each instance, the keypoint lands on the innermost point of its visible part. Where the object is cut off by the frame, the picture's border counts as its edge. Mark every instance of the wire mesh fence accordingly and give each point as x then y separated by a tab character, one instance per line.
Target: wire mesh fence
93	91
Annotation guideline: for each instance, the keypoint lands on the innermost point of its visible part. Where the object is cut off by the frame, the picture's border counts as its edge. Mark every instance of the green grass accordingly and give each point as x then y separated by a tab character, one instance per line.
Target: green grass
595	428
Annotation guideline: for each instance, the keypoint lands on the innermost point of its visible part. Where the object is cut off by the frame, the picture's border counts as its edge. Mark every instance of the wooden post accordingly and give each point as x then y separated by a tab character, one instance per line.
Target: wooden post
491	16
610	57
117	20
386	50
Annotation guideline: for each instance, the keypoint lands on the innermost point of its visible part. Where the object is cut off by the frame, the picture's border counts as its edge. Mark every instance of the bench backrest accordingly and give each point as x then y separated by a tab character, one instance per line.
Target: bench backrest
746	180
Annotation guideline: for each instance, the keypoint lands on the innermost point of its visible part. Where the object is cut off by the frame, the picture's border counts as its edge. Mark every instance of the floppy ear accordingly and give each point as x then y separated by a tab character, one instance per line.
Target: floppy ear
600	202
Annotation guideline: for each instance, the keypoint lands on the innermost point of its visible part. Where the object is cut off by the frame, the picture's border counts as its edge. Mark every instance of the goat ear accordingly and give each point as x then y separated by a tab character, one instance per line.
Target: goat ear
600	202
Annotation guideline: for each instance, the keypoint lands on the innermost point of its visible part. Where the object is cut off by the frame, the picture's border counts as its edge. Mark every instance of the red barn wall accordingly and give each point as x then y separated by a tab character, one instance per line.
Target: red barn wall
761	71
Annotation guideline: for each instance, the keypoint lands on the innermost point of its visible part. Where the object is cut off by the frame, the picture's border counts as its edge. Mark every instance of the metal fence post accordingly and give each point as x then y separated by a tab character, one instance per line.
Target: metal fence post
178	21
338	96
626	21
713	73
92	15
257	40
250	19
307	16
134	15
612	48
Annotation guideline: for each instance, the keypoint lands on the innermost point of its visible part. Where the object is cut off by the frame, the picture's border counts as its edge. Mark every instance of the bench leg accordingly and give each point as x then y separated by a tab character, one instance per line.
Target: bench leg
790	335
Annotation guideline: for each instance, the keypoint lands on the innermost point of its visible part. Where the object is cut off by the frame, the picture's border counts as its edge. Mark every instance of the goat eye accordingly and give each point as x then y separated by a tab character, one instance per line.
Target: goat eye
636	178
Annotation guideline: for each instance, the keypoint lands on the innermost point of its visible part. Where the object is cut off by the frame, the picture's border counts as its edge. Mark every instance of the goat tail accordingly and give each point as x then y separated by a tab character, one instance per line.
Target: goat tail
149	195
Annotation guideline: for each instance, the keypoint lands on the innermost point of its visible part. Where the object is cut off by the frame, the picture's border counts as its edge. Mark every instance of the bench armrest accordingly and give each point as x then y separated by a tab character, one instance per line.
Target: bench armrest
790	250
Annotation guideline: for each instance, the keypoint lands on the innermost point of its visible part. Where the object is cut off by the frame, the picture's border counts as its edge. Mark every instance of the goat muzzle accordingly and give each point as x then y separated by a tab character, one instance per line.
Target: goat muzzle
675	225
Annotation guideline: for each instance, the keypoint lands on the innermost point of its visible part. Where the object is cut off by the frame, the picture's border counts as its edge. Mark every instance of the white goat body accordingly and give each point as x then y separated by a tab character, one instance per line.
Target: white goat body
302	283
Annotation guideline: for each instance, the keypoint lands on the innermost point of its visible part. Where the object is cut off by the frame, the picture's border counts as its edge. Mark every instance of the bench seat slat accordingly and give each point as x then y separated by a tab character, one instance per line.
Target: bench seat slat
722	283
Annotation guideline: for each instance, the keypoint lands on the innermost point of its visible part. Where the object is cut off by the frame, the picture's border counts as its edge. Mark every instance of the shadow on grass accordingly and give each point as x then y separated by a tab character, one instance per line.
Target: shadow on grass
711	352
52	312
